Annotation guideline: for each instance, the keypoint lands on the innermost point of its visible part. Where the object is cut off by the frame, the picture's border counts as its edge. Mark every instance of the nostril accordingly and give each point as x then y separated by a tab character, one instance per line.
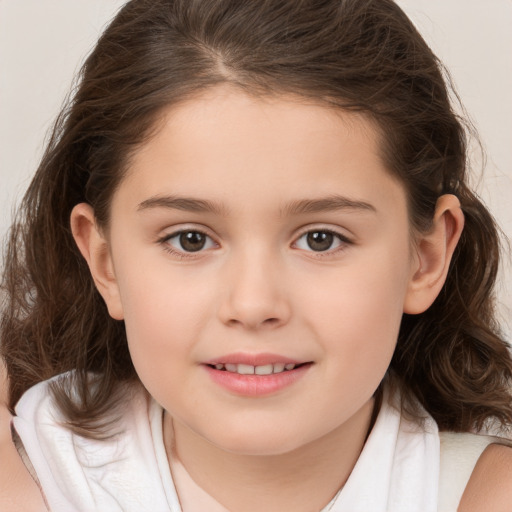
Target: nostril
268	322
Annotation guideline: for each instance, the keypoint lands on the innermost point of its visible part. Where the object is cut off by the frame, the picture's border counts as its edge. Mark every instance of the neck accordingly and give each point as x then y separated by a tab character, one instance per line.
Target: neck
304	479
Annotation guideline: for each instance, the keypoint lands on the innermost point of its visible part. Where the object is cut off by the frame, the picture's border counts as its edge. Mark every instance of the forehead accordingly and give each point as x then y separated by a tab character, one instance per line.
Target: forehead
226	114
230	145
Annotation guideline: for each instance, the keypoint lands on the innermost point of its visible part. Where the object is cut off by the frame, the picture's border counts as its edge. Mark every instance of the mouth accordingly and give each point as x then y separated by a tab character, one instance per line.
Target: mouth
262	370
256	375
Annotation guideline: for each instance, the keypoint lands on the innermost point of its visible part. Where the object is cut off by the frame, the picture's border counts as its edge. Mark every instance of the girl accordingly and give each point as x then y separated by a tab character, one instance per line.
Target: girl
249	274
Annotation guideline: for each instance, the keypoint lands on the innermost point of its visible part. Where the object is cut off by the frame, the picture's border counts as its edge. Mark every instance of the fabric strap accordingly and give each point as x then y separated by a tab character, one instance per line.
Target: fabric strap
398	468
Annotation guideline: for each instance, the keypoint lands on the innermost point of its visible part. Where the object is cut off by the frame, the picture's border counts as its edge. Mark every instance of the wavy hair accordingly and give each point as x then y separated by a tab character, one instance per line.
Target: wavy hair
359	55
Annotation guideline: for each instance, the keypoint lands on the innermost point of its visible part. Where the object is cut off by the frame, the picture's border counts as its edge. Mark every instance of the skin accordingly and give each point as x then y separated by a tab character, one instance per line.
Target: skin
257	286
489	486
17	489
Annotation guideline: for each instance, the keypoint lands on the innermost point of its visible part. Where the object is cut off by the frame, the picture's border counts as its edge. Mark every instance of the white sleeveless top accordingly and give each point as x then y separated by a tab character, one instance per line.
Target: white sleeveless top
398	469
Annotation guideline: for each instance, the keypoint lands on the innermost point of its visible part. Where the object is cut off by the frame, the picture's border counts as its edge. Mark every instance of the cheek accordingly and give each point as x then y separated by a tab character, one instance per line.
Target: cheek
164	315
357	313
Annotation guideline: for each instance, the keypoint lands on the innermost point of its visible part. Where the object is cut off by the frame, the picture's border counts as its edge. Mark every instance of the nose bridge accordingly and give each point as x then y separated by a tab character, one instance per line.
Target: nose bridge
255	291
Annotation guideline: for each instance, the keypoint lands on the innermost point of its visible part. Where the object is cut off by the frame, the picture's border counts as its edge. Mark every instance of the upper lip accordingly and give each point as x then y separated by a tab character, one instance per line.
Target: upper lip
253	359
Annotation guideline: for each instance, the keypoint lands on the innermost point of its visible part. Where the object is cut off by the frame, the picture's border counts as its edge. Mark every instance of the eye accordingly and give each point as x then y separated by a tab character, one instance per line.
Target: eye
320	240
189	241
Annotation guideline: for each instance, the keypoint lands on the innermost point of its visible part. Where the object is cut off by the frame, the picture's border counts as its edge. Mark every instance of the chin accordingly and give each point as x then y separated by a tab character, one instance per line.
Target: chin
267	442
259	448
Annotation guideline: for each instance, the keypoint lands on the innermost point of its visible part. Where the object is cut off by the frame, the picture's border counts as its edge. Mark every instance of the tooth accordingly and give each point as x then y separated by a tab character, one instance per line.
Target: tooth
289	366
278	367
230	367
263	370
245	369
219	366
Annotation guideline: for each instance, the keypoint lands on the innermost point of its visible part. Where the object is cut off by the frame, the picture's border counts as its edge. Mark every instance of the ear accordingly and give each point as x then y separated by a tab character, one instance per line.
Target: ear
95	249
434	251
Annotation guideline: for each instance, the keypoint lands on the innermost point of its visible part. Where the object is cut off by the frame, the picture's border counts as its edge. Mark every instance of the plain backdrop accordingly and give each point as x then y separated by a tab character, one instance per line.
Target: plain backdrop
43	43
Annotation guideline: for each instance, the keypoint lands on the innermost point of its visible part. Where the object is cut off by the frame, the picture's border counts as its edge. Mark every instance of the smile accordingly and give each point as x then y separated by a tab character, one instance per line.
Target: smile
256	375
247	369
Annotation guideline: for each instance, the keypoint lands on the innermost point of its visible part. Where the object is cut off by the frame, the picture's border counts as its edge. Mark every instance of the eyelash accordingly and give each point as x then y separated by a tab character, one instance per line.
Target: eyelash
164	242
343	241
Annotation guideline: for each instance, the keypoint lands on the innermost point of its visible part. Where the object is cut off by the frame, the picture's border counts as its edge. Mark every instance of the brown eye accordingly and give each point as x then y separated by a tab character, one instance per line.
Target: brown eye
188	241
320	240
192	241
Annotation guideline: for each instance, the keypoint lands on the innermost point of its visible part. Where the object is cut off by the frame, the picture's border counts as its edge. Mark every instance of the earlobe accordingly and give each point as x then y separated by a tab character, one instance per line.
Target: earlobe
434	252
94	248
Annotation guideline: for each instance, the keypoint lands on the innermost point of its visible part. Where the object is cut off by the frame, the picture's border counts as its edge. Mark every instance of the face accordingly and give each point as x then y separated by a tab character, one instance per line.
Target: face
261	255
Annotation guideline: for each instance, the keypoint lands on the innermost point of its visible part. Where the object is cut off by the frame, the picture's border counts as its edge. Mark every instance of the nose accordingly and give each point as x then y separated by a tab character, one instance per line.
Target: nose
254	293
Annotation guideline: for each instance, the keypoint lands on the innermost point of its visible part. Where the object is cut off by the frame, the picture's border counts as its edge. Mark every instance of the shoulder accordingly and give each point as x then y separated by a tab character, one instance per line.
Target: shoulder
490	485
70	463
18	491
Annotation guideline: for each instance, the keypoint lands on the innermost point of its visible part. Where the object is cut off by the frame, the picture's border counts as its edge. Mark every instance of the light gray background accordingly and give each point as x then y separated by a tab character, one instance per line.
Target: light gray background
43	42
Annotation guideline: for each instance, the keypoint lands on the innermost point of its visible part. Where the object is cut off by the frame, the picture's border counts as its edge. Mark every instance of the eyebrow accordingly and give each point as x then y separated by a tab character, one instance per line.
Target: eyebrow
302	206
327	204
187	204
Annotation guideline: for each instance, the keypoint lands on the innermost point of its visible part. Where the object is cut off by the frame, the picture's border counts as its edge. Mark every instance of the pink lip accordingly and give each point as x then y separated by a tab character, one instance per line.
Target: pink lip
253	359
255	385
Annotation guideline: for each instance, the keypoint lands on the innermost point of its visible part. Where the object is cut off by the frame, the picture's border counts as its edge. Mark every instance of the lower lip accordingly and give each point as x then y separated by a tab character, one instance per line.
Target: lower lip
256	385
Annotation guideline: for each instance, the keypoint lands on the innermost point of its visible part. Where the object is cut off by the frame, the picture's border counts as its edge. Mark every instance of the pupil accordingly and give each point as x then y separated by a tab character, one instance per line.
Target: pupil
320	240
192	241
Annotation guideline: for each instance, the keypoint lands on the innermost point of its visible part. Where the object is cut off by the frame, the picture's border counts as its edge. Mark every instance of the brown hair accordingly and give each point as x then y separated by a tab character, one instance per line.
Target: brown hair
362	55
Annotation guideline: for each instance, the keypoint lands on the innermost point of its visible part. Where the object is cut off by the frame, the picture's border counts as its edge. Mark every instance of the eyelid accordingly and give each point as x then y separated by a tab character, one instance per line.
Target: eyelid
340	234
343	233
175	231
